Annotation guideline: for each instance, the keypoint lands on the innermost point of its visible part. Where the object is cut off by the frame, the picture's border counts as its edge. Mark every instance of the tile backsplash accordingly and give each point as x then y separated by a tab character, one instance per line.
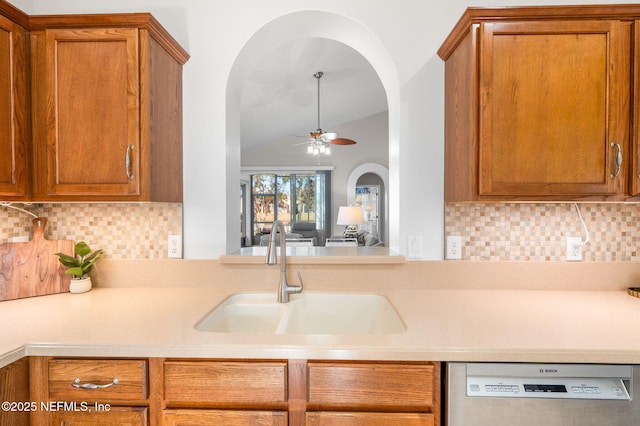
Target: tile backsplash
537	232
123	230
490	232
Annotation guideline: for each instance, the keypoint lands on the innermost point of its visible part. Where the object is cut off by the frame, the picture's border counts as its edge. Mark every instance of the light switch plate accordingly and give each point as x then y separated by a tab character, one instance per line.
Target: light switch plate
414	247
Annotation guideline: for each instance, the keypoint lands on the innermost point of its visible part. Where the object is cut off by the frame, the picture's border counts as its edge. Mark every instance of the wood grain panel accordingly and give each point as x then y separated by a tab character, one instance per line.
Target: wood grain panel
31	269
549	107
224	417
14	387
161	112
461	121
334	418
115	416
93	114
14	112
371	386
226	383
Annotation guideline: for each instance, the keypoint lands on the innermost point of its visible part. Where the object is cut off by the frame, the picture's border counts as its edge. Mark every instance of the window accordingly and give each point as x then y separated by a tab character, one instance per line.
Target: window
300	197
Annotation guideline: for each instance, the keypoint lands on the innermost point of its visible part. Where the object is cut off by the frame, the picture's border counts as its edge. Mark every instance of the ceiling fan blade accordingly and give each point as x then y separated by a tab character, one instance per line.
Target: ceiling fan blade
343	141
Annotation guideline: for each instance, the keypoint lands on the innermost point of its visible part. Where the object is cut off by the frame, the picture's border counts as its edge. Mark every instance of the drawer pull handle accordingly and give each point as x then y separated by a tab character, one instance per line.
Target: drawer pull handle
127	162
619	159
76	384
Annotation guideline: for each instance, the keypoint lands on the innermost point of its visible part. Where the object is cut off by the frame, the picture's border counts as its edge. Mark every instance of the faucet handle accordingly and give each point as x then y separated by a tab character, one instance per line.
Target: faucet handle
298	288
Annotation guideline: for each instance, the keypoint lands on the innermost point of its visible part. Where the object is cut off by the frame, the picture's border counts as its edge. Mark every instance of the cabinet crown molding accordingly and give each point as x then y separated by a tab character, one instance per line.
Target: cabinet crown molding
476	15
120	20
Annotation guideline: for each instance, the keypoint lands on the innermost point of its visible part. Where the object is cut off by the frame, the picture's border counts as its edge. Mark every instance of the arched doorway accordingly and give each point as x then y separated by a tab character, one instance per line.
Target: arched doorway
300	25
372	175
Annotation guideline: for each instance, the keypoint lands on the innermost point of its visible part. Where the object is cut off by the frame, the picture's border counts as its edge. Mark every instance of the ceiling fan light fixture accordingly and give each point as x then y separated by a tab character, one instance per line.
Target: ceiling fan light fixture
320	143
329	136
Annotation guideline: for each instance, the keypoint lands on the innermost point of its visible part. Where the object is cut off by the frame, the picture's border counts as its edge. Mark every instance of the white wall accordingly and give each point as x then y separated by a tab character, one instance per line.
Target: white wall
214	33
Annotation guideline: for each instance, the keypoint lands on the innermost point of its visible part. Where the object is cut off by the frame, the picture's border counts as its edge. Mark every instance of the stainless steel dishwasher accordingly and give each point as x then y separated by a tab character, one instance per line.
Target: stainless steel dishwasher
496	394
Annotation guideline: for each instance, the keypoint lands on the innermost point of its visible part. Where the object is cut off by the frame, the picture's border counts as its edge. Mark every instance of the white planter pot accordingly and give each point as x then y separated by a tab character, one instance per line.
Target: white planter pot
81	285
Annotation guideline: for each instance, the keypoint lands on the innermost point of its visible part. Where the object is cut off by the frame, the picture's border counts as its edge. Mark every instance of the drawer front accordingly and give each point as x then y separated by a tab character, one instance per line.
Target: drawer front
226	383
130	377
321	418
223	417
371	386
115	416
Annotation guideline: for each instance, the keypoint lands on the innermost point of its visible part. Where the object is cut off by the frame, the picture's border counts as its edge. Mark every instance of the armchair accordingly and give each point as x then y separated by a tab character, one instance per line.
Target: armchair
306	230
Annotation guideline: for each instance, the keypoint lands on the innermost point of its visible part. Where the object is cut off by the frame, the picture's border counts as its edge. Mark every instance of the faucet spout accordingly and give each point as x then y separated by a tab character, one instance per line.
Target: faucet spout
284	289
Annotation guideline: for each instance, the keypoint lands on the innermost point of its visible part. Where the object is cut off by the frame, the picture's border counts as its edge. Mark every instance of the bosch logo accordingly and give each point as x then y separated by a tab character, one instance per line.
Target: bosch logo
548	370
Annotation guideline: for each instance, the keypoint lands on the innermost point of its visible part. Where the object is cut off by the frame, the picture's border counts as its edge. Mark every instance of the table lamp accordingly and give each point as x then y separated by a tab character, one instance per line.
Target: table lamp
350	216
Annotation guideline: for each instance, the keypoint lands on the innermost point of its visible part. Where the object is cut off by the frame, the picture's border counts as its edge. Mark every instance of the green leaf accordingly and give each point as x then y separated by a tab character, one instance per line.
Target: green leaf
75	271
82	249
67	260
94	256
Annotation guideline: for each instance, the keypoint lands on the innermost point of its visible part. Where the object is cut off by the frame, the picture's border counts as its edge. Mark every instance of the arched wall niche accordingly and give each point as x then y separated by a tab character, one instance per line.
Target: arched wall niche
303	24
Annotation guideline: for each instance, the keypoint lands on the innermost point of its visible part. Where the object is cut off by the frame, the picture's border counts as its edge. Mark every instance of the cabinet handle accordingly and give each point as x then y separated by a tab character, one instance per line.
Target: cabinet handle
618	160
127	162
76	384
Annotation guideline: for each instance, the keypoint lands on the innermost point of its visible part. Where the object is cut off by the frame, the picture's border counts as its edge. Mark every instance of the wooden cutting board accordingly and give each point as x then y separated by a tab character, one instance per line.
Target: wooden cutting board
31	268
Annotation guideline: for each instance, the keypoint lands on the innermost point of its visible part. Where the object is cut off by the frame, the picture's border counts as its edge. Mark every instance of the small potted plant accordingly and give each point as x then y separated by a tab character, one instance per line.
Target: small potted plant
79	266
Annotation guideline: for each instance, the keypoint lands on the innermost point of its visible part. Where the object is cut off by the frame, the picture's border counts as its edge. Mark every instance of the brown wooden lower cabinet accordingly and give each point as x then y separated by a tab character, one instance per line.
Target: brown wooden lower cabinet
159	391
89	391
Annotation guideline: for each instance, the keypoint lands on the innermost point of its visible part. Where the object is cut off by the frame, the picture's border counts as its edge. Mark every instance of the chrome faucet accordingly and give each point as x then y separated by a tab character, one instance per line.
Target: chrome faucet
284	289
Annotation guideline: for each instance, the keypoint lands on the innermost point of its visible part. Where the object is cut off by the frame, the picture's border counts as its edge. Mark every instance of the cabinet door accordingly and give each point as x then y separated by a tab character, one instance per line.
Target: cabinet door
635	167
86	112
553	108
13	111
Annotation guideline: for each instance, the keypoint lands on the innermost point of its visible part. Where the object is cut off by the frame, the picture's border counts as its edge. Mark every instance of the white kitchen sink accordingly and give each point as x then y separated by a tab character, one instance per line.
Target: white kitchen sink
307	313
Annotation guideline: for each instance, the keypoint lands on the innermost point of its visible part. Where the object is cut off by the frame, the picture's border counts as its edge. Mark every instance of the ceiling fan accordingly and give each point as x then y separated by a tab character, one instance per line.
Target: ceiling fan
320	141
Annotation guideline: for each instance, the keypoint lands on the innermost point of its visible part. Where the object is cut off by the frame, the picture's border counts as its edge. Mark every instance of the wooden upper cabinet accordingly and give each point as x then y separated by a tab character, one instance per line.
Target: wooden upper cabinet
550	96
537	106
635	153
107	110
86	105
14	116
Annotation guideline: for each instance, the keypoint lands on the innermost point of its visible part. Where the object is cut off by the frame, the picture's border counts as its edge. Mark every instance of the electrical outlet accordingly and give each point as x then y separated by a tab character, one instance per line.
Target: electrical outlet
574	249
20	239
174	244
454	247
414	247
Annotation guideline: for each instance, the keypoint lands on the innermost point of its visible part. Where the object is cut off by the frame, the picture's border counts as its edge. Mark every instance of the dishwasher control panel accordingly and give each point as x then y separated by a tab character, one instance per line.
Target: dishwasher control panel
556	381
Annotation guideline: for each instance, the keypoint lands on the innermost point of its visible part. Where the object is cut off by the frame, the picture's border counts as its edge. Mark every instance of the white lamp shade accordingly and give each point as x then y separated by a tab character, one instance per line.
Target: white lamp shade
350	215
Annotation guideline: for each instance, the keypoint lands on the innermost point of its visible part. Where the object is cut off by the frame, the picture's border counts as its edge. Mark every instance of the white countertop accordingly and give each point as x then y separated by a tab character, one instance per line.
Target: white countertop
318	255
442	325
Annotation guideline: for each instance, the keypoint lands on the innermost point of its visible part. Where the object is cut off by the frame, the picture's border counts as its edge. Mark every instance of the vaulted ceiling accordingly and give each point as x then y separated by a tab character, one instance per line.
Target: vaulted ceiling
279	100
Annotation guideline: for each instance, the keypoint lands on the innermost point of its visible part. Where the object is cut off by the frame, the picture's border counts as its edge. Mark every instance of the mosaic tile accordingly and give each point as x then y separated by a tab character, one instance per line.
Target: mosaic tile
537	232
122	230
